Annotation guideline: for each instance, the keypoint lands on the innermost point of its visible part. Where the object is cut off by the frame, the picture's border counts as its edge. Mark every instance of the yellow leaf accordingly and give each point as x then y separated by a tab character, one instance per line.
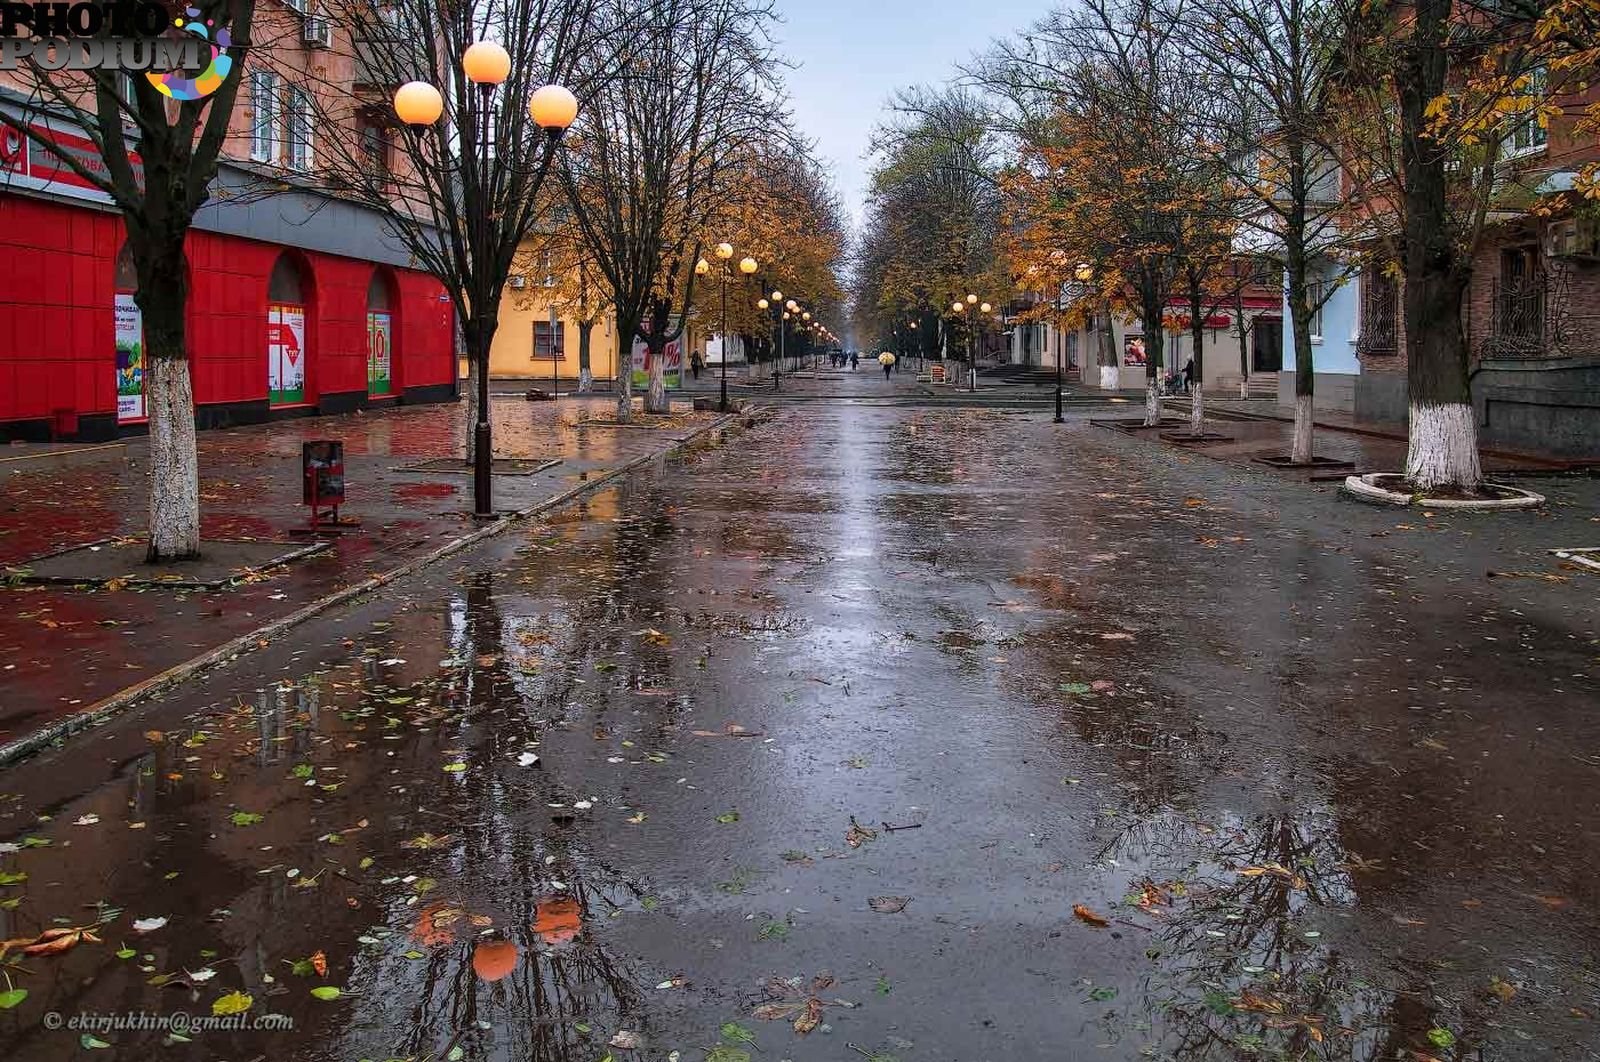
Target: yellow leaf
232	1003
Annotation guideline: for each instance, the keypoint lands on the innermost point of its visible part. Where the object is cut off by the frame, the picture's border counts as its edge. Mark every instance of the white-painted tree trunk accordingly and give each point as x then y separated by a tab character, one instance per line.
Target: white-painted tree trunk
1244	388
1152	403
174	463
655	399
1110	378
625	394
1197	409
1300	450
585	381
1444	448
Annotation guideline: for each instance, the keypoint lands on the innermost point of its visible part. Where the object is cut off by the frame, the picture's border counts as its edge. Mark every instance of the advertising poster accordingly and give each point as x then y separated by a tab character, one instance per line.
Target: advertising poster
130	359
672	354
1133	350
286	354
380	332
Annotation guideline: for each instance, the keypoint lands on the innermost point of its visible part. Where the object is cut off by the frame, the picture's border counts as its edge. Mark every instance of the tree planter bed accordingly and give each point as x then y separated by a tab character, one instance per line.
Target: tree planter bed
1390	488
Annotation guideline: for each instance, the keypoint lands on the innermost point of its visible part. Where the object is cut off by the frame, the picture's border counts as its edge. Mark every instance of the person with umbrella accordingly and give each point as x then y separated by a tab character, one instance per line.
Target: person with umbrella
886	359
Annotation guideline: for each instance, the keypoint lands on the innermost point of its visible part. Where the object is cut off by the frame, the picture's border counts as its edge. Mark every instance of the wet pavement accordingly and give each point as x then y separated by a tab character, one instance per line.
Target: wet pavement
62	650
881	733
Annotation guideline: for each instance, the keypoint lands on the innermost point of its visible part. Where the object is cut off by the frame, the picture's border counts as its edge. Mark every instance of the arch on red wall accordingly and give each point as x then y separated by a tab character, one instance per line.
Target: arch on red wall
383	328
291	339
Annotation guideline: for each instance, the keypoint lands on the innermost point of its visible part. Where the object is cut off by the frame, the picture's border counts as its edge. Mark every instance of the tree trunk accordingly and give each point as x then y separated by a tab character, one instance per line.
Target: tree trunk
470	416
585	371
625	334
1197	405
174	461
1244	343
1304	364
1154	341
1300	448
655	400
1443	450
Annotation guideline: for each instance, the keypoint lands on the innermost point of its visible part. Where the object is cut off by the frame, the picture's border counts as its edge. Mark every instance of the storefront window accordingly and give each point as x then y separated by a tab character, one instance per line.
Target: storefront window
380	337
129	330
286	334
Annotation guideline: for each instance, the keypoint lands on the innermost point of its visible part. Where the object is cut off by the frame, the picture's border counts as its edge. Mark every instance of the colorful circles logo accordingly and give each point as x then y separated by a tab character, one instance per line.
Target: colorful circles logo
174	84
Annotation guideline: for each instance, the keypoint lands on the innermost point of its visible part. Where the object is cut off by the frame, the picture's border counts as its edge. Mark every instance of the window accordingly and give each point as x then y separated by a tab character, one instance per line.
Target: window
301	6
264	130
1316	294
374	140
299	118
541	339
1530	135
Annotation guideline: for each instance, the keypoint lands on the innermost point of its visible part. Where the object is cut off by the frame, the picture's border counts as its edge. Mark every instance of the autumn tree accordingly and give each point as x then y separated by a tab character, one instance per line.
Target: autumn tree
782	211
1268	65
655	154
1433	92
1101	102
933	216
155	157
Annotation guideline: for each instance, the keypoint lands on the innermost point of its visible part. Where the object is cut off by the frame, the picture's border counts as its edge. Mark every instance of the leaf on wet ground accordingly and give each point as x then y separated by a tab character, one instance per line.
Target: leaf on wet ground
11	997
888	904
149	925
809	1017
232	1003
244	818
327	993
53	941
426	841
1088	916
858	833
626	1040
727	817
1276	870
732	1030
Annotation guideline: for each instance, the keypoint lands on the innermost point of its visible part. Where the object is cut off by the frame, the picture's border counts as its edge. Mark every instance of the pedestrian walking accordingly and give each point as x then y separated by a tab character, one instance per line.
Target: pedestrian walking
887	360
1188	376
855	361
695	364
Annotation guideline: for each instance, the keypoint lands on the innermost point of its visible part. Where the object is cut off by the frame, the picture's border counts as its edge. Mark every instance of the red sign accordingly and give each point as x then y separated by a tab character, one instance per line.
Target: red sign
22	156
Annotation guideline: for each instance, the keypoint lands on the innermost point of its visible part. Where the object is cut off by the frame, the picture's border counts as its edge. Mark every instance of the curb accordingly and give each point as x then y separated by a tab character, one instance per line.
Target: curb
1366	489
106	707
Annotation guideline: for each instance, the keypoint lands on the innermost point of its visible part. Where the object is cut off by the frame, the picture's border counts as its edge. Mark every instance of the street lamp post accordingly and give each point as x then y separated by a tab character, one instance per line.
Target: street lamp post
553	108
747	266
972	338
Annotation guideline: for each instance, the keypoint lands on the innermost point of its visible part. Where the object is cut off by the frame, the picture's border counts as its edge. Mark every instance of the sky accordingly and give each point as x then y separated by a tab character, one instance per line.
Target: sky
853	55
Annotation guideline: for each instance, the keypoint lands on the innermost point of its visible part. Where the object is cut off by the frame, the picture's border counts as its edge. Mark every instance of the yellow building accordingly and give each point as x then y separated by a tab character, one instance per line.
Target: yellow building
522	348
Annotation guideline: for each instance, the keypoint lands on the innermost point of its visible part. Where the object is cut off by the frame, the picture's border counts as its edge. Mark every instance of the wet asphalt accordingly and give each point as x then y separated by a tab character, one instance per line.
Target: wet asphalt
875	732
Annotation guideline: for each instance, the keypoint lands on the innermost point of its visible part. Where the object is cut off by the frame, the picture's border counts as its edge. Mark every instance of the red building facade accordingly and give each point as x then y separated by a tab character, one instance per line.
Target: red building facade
263	317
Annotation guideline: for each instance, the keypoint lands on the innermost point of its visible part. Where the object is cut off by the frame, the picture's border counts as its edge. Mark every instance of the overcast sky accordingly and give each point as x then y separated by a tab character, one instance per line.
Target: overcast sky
853	54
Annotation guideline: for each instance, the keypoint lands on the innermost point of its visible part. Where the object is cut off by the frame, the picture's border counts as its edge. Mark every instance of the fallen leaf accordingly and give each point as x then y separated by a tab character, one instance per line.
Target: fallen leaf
810	1017
1086	915
626	1040
888	904
149	925
326	992
232	1003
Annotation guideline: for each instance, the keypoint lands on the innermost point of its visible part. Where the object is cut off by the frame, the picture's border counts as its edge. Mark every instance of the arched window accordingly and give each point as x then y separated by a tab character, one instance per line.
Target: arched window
129	331
286	333
380	336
